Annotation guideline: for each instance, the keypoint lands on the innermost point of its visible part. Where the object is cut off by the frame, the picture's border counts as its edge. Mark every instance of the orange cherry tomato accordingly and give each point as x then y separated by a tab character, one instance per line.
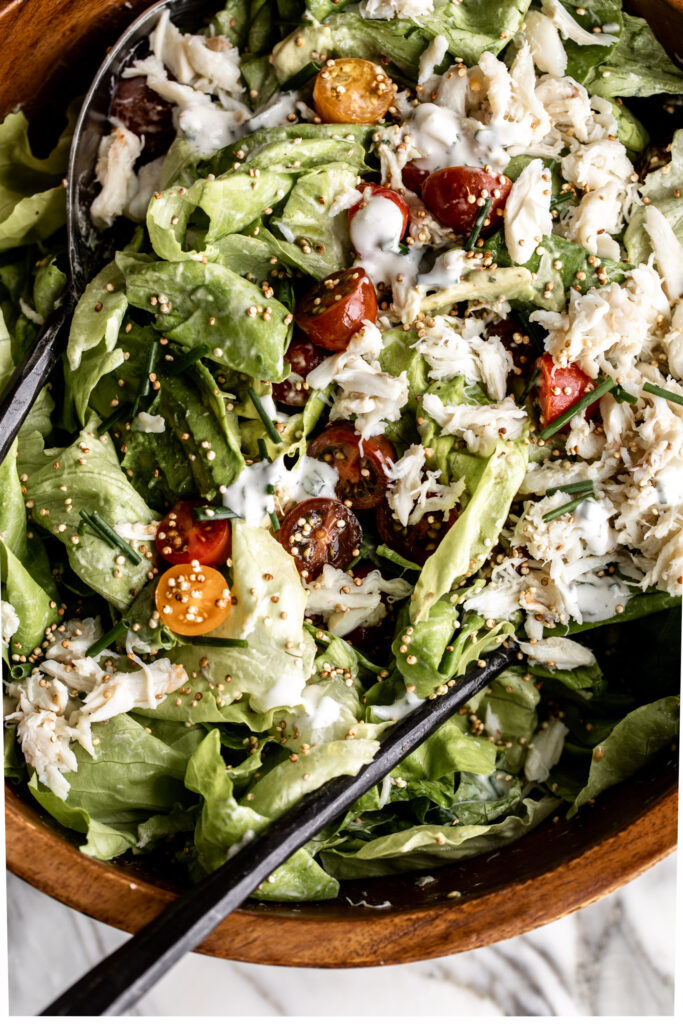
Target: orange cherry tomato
352	91
192	599
180	538
336	308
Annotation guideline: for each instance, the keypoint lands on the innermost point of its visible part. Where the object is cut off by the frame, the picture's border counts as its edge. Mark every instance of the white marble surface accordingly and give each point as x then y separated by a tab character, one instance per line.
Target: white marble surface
615	958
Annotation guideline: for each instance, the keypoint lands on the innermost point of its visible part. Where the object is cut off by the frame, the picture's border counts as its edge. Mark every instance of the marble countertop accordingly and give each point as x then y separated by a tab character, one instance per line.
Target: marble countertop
614	958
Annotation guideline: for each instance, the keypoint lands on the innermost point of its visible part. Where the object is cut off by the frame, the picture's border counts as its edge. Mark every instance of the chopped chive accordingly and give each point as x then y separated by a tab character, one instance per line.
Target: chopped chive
270	489
304	75
21	671
262	450
562	197
99	525
529	385
274	521
568	507
576	488
670	396
205	513
602	386
145	383
624	396
271	429
478	225
110	421
214	641
182	363
114	633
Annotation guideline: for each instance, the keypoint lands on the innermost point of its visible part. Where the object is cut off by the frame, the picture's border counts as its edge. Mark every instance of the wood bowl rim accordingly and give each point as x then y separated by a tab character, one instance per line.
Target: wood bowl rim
356	937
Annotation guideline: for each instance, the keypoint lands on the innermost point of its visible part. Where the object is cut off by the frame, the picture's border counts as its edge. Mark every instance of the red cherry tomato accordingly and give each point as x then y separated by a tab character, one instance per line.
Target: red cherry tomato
455	196
380	192
335	309
414	177
303	357
318	532
560	387
418	542
181	539
362	477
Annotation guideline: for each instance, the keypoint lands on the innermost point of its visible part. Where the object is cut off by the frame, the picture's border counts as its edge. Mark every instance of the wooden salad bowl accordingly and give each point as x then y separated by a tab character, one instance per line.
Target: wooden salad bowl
50	50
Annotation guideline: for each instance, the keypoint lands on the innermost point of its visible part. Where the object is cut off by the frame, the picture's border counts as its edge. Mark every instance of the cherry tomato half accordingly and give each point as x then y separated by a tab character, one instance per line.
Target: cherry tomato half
455	196
303	357
335	309
379	192
418	542
560	387
143	112
318	532
362	477
192	599
181	539
352	91
414	177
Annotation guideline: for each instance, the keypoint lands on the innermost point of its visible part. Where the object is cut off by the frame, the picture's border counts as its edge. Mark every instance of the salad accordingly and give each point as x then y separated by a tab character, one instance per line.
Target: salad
389	372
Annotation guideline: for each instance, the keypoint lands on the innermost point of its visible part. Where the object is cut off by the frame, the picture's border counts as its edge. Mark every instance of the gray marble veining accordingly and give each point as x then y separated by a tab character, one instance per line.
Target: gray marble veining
615	958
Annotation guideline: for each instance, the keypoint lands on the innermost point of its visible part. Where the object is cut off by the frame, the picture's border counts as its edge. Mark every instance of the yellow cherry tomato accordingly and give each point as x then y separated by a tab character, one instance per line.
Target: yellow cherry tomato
192	599
352	91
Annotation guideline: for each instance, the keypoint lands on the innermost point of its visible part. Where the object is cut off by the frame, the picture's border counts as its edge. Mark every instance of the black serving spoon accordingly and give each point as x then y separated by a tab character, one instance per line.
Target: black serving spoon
87	249
126	975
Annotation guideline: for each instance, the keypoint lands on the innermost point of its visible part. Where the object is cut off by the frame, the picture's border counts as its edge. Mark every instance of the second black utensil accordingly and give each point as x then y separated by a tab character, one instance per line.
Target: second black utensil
126	975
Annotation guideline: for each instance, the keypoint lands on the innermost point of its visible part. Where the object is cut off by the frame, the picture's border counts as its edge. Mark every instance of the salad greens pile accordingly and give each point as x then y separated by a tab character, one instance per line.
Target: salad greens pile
144	740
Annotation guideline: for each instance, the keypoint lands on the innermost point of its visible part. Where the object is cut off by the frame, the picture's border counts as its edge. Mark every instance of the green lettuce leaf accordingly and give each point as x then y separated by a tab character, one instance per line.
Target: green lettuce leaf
631	744
472	537
32	198
430	846
206	300
90	471
637	66
136	776
223	824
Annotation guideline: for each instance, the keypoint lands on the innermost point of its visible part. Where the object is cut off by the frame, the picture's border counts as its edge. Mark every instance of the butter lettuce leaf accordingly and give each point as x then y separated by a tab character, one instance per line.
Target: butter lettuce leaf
209	300
90	471
471	538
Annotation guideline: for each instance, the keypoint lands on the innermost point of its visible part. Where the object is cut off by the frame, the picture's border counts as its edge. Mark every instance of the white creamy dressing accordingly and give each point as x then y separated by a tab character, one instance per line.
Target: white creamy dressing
599	599
447	140
669	483
401	707
592	519
249	498
376	225
284	693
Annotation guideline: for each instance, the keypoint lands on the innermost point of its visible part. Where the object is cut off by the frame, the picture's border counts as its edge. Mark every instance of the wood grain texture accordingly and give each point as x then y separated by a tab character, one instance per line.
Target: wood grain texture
51	48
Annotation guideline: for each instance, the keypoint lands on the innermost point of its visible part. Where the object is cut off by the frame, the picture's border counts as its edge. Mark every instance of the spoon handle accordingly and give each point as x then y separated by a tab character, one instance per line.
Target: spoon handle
116	983
30	375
